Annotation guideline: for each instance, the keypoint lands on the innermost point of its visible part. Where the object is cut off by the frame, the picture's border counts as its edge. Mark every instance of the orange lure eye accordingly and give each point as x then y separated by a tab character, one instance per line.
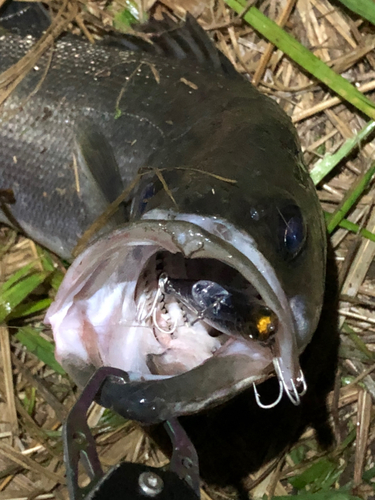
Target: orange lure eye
266	325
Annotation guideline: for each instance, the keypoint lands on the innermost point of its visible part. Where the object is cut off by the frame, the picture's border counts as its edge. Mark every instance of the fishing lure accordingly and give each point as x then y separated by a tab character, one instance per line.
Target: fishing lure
234	313
227	310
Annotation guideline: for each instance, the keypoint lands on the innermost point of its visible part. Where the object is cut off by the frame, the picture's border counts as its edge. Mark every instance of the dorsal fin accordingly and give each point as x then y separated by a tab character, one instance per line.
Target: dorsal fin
186	41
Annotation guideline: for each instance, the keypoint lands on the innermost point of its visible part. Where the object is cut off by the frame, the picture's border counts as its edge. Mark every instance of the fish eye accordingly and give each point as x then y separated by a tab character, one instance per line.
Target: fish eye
292	231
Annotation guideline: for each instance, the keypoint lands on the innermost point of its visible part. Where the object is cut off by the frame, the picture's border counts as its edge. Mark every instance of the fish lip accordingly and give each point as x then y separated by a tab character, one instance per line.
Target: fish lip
193	241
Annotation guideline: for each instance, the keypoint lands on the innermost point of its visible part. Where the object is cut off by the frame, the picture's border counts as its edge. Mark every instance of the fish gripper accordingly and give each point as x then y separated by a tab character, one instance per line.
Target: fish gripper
130	481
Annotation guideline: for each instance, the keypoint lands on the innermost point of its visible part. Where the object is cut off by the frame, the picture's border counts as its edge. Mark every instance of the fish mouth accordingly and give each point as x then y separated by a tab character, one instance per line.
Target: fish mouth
110	311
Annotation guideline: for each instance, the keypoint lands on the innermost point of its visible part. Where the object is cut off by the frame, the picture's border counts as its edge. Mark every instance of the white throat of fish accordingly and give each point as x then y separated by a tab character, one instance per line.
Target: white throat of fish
112	311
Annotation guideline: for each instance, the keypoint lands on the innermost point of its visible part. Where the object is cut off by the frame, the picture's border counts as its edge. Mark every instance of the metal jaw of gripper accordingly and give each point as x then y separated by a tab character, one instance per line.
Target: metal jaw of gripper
132	481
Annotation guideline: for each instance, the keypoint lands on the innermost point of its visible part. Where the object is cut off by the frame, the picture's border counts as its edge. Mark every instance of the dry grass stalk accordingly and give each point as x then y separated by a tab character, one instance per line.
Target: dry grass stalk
361	262
28	463
328	103
363	427
8	378
281	21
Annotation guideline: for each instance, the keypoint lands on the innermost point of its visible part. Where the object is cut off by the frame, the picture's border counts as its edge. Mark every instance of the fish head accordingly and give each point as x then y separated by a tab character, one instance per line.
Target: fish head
249	187
241	212
104	315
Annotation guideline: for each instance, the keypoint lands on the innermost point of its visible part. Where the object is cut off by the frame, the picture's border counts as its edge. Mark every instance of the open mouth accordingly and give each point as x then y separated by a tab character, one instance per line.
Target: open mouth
192	315
128	302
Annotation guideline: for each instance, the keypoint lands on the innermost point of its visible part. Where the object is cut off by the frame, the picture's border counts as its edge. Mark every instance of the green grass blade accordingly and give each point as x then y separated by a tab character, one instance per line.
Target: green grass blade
111	419
17	276
30	400
12	296
48	264
354	228
350	200
124	20
302	56
40	347
322	495
325	165
364	8
369	475
131	14
320	475
31	308
55	279
46	259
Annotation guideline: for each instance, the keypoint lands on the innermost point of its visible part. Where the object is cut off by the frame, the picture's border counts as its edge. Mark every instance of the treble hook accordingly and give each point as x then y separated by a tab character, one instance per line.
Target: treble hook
161	282
301	379
155	323
161	285
293	395
271	405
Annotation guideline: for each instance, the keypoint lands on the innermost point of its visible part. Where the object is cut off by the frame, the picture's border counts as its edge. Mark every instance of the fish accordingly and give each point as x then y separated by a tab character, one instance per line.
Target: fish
218	191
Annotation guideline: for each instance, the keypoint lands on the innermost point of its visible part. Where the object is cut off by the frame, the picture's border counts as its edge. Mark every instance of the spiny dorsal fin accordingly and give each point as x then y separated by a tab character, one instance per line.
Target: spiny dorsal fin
186	41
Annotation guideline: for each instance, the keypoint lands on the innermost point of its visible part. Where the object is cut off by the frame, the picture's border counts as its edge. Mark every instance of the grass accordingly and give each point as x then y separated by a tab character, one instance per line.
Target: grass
364	8
325	166
303	57
350	199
